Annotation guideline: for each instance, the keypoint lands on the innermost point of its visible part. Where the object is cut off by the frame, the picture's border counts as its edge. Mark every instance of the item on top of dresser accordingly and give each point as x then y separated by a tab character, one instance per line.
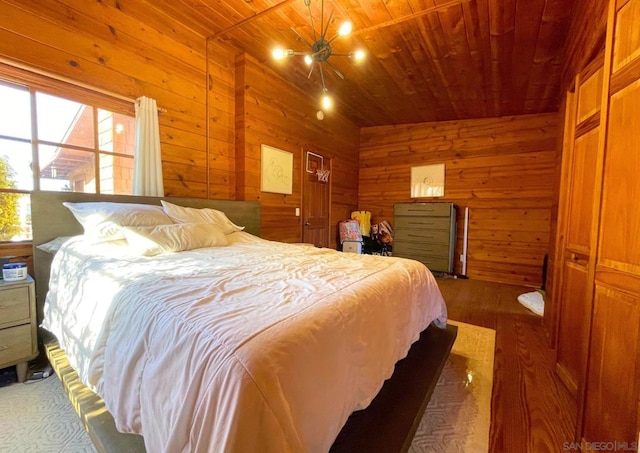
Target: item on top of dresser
13	272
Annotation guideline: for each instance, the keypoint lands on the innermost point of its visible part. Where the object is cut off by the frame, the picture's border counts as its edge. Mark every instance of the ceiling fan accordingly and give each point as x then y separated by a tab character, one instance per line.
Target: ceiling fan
320	51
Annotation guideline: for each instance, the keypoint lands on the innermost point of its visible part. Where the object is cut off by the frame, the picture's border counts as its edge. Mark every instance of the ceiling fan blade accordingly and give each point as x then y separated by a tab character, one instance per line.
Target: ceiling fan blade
313	28
324	31
338	73
301	37
324	88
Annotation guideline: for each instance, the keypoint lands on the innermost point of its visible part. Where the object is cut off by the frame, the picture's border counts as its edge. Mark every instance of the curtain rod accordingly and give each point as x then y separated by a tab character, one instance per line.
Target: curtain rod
70	81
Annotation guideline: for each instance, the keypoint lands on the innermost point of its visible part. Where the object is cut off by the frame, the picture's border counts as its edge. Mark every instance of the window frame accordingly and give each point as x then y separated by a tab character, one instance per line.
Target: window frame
34	83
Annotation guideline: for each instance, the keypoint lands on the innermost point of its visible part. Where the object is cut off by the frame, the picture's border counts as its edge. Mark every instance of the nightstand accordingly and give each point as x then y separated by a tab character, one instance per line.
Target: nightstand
18	329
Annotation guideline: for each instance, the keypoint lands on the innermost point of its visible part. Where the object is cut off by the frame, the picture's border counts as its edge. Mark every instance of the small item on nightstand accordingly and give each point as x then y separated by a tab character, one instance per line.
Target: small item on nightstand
13	272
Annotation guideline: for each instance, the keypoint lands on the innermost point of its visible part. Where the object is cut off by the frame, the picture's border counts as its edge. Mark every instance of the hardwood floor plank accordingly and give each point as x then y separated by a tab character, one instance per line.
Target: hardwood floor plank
531	410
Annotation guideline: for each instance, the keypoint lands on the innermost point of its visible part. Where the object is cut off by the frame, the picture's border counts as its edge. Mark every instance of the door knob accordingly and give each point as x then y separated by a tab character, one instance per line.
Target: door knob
306	224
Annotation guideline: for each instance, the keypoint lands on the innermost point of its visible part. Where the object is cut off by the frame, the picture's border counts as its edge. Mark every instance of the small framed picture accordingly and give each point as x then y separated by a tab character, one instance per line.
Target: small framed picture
427	181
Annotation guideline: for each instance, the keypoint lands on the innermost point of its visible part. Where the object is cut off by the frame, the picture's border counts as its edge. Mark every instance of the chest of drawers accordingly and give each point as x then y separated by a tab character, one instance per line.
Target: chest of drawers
426	232
18	329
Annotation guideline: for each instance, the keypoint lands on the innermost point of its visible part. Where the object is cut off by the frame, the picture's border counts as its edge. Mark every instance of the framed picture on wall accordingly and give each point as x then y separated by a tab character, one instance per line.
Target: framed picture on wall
276	170
427	181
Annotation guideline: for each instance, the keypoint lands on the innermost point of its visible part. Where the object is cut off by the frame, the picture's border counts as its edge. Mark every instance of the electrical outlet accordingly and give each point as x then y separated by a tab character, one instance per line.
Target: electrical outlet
462	257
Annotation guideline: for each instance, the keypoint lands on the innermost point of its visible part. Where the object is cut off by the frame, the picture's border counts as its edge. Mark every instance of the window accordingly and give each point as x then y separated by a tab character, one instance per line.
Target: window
59	140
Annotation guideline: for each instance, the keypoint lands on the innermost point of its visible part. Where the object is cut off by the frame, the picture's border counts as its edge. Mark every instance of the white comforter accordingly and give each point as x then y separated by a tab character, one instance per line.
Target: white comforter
256	346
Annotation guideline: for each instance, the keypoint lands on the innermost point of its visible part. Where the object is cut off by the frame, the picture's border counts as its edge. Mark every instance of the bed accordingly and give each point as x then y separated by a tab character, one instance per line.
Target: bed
250	346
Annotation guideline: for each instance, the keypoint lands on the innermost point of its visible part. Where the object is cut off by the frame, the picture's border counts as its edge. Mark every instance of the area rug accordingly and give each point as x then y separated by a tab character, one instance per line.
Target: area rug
37	416
458	416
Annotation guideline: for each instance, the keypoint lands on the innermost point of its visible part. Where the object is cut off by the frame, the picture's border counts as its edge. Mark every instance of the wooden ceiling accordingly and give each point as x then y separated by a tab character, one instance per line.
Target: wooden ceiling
427	60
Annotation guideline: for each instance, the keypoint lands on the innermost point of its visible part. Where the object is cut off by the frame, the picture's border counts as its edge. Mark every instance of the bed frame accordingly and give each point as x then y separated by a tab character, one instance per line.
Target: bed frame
388	424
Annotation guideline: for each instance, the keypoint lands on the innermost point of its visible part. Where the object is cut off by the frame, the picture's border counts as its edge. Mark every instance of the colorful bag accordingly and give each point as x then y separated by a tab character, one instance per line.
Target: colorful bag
349	231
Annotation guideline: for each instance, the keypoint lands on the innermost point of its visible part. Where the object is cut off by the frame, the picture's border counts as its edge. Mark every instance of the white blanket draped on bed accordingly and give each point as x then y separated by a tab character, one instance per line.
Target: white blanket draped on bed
256	346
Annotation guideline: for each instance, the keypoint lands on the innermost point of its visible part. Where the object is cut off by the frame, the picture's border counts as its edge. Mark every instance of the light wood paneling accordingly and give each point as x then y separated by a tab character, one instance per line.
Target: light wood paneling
581	203
585	38
612	394
611	397
627	45
571	353
501	168
272	112
608	390
620	240
427	61
131	48
590	96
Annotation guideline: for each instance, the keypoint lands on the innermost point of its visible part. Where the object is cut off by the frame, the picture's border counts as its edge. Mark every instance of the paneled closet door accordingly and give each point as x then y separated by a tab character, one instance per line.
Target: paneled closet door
579	255
613	377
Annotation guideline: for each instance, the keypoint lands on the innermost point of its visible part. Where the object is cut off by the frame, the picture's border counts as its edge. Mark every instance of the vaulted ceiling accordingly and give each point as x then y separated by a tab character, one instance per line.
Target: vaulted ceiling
427	60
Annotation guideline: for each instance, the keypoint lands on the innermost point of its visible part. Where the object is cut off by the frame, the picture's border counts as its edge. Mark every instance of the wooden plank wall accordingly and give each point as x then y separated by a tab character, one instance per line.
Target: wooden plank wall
501	168
272	112
132	49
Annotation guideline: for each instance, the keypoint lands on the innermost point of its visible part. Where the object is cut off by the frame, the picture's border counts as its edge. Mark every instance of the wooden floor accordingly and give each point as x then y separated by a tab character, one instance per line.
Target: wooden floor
531	410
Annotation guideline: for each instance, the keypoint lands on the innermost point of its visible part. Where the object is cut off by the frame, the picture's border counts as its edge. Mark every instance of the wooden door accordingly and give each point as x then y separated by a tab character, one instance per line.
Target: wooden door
581	201
611	402
316	201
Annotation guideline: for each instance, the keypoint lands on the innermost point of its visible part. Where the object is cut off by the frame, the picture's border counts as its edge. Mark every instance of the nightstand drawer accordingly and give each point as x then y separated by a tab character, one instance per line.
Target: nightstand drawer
14	304
15	344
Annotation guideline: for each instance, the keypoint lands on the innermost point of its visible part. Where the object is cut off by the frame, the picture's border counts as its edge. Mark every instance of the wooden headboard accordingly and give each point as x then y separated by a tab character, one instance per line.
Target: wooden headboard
50	219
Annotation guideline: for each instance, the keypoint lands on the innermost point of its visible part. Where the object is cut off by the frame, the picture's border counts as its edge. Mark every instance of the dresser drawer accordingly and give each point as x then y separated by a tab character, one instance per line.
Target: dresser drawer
422	209
15	344
402	248
433	263
14	304
442	224
428	237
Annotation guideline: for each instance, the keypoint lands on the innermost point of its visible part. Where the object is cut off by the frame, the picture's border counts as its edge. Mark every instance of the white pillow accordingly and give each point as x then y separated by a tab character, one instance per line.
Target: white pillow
151	241
53	245
181	214
102	220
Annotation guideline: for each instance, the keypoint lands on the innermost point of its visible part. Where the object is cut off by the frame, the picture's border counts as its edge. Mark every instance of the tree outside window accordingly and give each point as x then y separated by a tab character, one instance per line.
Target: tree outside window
10	224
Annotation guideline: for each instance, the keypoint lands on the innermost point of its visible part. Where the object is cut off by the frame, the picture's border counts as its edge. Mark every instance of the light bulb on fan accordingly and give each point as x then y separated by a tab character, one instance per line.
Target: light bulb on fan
280	54
358	55
345	28
327	102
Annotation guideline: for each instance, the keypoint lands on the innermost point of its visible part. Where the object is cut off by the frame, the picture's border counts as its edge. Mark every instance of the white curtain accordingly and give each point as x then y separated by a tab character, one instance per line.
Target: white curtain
147	172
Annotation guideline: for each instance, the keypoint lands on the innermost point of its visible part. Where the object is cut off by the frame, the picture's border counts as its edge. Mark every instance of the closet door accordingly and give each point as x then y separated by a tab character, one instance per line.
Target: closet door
613	378
578	256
